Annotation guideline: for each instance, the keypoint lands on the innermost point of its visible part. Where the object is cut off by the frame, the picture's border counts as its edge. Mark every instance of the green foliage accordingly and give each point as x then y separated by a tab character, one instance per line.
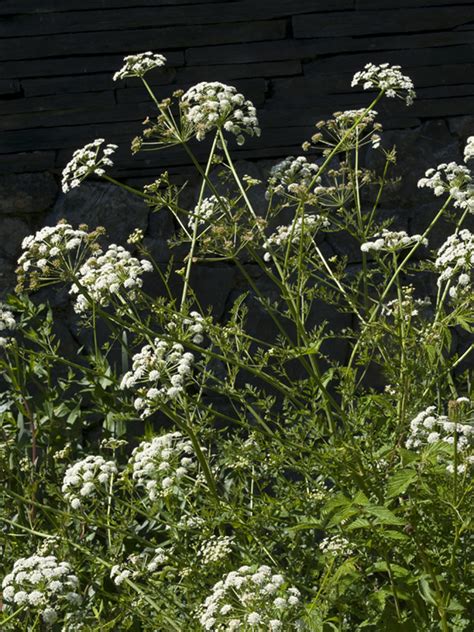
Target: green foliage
339	457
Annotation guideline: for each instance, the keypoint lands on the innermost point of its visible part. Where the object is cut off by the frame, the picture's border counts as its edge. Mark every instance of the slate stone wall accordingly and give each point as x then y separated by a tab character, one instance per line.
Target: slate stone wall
293	58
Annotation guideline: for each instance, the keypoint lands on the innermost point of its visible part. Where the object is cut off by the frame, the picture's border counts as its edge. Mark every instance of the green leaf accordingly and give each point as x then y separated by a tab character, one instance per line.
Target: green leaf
395	535
383	515
426	592
358	523
399	482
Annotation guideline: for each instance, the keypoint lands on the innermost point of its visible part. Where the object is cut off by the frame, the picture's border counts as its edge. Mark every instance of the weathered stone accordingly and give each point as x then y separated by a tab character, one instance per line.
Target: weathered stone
27	192
462	126
213	287
7	276
98	204
12	230
417	151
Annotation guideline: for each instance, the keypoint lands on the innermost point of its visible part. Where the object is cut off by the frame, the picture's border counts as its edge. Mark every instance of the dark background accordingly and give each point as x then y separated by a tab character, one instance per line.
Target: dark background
293	58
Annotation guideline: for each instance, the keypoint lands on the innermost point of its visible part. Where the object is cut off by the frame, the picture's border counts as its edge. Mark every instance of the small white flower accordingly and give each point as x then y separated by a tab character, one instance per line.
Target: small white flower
153	373
208	105
41	584
455	261
387	78
453	179
392	241
139	64
469	149
89	159
7	322
155	464
292	177
105	274
293	233
336	545
238	592
85	478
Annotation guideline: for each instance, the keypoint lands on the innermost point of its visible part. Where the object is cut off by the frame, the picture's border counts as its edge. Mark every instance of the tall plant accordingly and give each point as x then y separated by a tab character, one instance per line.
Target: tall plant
308	477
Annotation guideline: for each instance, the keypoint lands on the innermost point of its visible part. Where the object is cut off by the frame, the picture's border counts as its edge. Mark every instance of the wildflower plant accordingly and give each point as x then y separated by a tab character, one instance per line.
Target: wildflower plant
43	586
302	462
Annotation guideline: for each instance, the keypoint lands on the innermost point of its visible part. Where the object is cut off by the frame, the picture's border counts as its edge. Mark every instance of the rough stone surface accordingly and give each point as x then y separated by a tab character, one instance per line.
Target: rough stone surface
27	192
98	204
13	230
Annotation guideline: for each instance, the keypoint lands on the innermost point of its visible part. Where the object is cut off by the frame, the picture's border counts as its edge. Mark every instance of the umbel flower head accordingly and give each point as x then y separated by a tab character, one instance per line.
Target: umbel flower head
292	177
159	373
347	129
207	210
160	465
7	320
454	179
455	262
87	478
469	149
42	586
429	428
387	78
139	64
105	275
251	598
391	241
210	104
53	253
92	158
293	232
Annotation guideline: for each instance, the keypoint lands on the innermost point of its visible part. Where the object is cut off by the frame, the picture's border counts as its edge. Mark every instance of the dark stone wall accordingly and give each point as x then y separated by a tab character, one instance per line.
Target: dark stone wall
293	58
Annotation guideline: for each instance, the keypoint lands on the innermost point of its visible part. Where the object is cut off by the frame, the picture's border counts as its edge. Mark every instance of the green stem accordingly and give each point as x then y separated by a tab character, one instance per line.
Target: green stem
196	224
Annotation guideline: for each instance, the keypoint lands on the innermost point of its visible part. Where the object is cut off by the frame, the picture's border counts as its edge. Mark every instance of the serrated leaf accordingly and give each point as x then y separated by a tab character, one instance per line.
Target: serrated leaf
360	499
399	482
342	515
383	515
358	523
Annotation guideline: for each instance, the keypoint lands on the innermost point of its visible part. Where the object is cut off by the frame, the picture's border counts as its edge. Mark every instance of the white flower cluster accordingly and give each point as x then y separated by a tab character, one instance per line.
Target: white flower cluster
210	105
392	241
119	574
428	427
216	548
7	321
138	65
336	545
346	120
347	130
453	179
387	78
293	232
91	158
455	261
105	274
194	324
49	251
206	210
160	465
406	308
161	363
292	176
86	478
43	585
251	597
138	564
469	149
